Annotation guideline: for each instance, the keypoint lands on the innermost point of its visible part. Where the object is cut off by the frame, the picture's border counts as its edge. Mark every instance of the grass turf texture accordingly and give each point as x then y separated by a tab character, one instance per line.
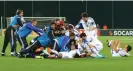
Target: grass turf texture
9	63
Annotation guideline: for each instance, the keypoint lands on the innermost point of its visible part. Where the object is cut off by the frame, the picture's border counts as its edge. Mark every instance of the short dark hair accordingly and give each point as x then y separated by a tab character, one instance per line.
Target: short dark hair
52	23
82	35
71	27
84	14
19	11
33	20
57	19
129	48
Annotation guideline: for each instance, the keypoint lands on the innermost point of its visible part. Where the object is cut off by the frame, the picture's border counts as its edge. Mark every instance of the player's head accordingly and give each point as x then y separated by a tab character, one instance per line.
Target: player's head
70	28
128	48
57	21
66	24
84	16
19	12
34	22
62	31
60	55
83	36
73	47
52	25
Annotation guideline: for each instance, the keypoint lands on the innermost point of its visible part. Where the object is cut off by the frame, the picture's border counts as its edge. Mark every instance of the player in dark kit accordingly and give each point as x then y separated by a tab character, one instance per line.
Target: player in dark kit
10	34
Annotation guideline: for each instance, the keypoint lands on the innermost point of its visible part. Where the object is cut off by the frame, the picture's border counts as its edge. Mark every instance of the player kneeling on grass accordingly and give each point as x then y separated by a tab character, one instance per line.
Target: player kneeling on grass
89	48
116	50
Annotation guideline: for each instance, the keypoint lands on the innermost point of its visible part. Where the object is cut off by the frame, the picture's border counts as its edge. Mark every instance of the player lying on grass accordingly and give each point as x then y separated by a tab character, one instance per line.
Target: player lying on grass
87	47
116	51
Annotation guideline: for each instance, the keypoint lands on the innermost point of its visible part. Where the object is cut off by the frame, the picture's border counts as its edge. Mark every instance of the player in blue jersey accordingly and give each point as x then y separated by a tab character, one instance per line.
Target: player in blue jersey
10	34
26	30
42	41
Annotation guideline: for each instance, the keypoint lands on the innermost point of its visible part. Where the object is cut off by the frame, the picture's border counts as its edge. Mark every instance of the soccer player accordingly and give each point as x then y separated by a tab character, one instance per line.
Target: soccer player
26	30
10	35
116	51
42	41
88	24
88	47
72	30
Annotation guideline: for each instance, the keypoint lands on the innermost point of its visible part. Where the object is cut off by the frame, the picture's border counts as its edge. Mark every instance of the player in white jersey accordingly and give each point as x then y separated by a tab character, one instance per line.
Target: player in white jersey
72	30
88	24
69	54
89	47
116	51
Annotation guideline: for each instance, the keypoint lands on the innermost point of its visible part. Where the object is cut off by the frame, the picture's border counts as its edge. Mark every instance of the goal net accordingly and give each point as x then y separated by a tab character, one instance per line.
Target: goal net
42	21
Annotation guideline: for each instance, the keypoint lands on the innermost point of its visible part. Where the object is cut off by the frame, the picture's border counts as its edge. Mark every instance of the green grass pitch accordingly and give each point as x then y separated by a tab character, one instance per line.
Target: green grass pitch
9	63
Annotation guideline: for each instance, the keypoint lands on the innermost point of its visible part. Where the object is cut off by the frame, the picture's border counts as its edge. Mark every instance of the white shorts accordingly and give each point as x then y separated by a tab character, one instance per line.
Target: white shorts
98	44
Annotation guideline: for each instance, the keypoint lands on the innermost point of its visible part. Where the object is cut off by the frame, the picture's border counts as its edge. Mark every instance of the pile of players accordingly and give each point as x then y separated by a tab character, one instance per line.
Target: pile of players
59	39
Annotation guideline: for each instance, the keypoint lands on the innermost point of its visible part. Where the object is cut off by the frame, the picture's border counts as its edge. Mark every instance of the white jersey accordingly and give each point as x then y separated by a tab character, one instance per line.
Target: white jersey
120	53
75	32
87	26
70	54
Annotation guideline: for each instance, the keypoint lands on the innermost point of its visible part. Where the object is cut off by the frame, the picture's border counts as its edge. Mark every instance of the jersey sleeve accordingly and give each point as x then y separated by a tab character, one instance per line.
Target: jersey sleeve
93	22
79	24
37	30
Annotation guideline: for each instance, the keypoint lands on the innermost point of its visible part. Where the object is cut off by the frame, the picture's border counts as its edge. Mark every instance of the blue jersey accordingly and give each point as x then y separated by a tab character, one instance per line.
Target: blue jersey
62	43
44	39
14	20
27	29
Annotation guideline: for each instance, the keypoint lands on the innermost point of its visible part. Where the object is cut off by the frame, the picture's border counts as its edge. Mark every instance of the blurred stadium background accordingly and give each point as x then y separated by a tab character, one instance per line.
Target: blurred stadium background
116	15
113	14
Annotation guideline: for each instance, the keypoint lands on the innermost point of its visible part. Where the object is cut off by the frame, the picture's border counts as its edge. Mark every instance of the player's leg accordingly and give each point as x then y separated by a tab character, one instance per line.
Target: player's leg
95	50
24	43
13	42
6	40
31	47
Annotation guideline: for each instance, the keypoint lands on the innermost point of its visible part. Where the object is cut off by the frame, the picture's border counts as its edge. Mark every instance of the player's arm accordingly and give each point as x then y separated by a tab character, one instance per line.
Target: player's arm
93	24
79	24
19	21
37	30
